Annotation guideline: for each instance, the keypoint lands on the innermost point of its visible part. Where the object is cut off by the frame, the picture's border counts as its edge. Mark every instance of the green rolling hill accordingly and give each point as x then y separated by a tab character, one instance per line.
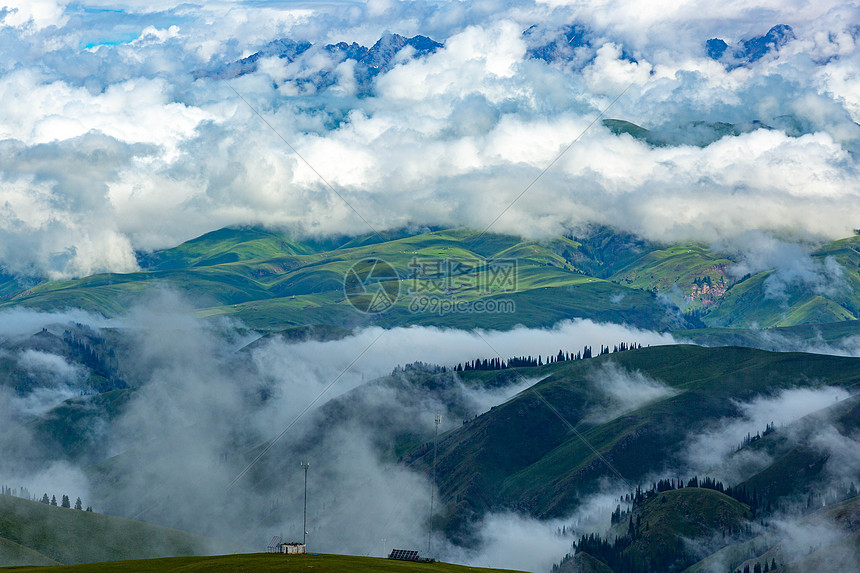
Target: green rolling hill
33	533
798	462
272	281
656	535
833	298
674	518
582	562
699	133
225	246
839	550
677	266
521	455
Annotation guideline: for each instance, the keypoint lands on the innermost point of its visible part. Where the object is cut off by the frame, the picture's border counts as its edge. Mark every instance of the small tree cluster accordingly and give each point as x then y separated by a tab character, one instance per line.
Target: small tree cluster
531	361
749	439
16	492
757	568
65	501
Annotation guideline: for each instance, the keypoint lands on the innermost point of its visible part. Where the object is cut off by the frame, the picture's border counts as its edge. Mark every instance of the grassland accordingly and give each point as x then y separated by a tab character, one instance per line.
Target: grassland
674	266
768	299
673	518
264	563
520	454
837	551
272	281
668	524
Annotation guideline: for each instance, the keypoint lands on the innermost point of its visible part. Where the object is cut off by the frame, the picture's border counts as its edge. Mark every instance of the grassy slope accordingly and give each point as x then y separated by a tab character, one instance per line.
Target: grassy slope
264	562
639	439
844	550
698	133
521	455
102	372
297	285
584	563
798	463
678	265
12	554
620	126
755	302
71	536
66	431
778	338
669	521
226	246
844	555
271	281
686	514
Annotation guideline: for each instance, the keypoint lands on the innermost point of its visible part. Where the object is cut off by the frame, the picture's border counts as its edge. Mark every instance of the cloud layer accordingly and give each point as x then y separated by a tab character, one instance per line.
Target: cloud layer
118	135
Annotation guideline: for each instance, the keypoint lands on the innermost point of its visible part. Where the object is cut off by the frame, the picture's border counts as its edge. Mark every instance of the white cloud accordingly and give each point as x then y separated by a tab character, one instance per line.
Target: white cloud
153	35
516	542
790	263
711	450
448	139
133	111
305	363
609	74
33	14
624	391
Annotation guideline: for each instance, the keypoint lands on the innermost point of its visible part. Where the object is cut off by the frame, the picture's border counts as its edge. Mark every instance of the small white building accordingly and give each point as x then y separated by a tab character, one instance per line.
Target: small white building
292	548
278	545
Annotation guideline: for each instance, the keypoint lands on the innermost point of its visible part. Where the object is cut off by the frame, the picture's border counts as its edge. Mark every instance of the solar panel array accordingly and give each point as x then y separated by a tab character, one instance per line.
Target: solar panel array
403	555
273	544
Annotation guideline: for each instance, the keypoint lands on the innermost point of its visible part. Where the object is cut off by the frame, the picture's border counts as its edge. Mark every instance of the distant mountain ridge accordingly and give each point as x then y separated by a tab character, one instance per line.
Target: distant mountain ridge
380	57
751	50
577	43
272	281
573	43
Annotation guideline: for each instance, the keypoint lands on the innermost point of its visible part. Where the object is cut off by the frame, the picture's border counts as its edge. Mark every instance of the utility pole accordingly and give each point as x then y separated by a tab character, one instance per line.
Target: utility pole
305	466
437	421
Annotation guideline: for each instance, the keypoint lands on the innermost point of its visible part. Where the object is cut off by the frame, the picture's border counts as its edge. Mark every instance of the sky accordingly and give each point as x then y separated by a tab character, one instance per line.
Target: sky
118	133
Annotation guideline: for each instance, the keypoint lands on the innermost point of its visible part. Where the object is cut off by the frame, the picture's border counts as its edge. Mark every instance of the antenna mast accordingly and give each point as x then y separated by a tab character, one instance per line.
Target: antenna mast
305	466
437	421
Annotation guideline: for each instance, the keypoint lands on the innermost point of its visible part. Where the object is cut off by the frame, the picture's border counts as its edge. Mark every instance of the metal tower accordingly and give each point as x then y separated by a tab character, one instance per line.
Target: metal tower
305	466
437	421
